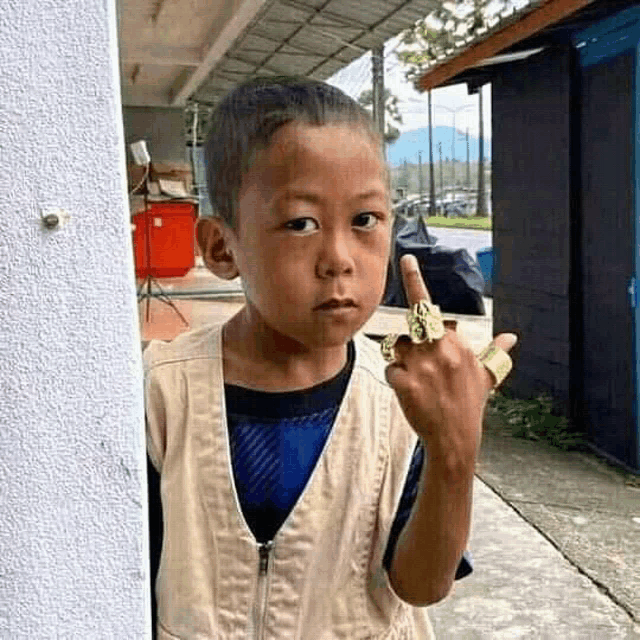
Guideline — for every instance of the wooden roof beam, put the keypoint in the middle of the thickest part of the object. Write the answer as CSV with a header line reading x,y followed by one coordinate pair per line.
x,y
536,20
239,19
161,55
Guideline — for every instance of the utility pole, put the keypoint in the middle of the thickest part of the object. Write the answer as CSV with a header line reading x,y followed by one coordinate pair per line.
x,y
441,174
468,164
406,178
453,154
481,209
377,69
432,189
420,180
453,137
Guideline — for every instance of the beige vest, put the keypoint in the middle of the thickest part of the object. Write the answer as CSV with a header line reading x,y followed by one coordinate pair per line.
x,y
322,578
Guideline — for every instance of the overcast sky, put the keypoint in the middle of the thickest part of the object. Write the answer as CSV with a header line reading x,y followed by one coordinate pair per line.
x,y
413,105
356,77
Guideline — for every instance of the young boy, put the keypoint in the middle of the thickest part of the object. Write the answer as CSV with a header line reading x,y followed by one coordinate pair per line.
x,y
291,508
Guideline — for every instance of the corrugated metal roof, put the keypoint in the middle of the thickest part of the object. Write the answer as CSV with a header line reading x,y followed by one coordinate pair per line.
x,y
558,33
174,51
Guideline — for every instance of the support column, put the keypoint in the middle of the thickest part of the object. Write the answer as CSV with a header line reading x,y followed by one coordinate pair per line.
x,y
73,539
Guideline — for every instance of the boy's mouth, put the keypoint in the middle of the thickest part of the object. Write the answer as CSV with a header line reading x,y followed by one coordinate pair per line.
x,y
336,303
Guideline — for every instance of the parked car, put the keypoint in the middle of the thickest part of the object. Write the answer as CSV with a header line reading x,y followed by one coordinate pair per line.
x,y
412,207
455,209
402,207
420,206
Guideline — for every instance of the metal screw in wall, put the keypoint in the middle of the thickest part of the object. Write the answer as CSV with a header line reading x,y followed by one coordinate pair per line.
x,y
51,221
54,218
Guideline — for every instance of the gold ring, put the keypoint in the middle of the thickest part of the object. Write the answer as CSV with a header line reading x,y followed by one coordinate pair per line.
x,y
425,322
498,362
387,346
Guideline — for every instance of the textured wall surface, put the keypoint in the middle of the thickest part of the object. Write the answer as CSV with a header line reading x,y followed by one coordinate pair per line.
x,y
531,175
73,542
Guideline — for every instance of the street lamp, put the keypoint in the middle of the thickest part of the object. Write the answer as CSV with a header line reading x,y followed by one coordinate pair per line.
x,y
453,137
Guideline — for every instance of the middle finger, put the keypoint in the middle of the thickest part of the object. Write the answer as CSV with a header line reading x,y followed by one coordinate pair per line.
x,y
414,284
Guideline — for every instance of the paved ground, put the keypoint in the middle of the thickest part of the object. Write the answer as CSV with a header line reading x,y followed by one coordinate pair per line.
x,y
556,544
470,239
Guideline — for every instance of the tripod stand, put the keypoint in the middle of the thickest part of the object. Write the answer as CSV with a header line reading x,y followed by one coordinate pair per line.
x,y
145,292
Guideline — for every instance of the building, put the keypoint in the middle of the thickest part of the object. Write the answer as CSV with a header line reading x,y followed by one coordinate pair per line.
x,y
565,120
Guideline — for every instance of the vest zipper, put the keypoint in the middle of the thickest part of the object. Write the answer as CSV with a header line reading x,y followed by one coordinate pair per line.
x,y
260,606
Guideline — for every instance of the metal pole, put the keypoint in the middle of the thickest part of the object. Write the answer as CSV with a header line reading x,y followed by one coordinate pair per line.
x,y
377,69
420,181
441,176
468,163
481,209
432,189
453,154
194,156
453,140
406,178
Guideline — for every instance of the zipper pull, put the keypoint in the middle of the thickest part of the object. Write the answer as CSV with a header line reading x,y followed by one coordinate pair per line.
x,y
632,293
264,549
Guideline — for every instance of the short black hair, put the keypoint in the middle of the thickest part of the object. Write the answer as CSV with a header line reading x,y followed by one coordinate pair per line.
x,y
248,117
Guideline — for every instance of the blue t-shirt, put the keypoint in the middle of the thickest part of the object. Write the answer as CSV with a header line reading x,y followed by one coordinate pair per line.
x,y
276,440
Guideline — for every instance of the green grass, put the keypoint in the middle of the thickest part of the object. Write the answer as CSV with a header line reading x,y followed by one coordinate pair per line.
x,y
460,223
535,419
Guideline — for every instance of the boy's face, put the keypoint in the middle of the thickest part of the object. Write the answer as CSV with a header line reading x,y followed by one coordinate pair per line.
x,y
313,225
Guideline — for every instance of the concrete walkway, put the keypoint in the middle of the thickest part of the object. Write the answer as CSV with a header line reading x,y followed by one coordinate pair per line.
x,y
556,545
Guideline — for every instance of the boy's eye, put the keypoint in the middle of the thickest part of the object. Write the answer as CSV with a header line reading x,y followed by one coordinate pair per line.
x,y
366,220
302,225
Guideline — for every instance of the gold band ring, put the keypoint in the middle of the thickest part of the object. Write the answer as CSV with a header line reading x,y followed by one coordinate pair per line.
x,y
387,346
498,362
425,322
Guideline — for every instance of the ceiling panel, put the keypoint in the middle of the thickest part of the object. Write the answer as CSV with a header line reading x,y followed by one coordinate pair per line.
x,y
186,50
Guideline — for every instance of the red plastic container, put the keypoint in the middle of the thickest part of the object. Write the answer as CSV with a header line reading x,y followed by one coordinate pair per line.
x,y
166,230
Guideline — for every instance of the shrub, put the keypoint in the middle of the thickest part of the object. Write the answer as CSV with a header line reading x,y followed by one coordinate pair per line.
x,y
536,419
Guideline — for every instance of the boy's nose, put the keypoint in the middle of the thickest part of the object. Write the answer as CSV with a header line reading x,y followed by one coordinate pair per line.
x,y
335,258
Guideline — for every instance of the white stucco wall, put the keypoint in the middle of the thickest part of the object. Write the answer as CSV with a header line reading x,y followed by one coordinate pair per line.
x,y
73,544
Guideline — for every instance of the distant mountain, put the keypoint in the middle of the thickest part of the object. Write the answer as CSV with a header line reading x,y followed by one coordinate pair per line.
x,y
406,147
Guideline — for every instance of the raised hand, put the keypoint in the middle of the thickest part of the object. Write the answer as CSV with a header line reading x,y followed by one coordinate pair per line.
x,y
441,385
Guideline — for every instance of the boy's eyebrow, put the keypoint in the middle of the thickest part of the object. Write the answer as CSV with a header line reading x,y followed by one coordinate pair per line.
x,y
313,198
372,193
306,196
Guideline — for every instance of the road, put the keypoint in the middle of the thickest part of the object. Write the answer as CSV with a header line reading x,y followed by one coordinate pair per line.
x,y
470,239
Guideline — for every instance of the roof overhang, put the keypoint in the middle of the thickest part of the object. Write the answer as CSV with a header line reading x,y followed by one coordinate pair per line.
x,y
542,24
509,57
526,23
173,52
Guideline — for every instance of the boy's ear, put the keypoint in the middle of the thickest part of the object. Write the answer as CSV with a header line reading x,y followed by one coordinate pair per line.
x,y
213,243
